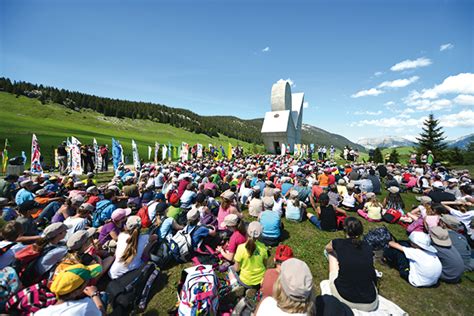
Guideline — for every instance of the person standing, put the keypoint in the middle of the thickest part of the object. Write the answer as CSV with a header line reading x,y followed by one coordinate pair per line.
x,y
62,158
104,152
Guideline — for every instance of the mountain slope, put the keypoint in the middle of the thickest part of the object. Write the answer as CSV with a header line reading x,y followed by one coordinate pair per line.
x,y
385,142
461,142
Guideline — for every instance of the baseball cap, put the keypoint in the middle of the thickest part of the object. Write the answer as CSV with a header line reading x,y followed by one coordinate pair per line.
x,y
133,222
254,229
87,206
296,279
350,186
451,221
193,214
370,195
73,277
293,194
79,238
231,220
440,237
78,184
53,230
91,189
394,189
228,195
268,202
120,214
424,199
77,199
283,252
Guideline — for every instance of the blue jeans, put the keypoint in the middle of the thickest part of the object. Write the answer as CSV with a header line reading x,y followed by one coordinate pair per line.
x,y
315,221
49,211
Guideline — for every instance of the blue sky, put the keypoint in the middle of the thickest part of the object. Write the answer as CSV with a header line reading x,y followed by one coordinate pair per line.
x,y
368,68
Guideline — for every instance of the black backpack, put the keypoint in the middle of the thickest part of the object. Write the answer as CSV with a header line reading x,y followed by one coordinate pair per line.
x,y
130,293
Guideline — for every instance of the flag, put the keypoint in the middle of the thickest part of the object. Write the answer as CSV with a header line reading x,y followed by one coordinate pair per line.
x,y
157,149
117,153
136,158
68,150
76,167
5,156
97,155
36,167
23,155
283,149
229,152
184,151
169,151
56,158
164,151
199,150
149,153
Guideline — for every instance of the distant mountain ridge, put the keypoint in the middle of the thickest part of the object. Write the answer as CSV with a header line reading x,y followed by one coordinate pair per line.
x,y
384,142
461,142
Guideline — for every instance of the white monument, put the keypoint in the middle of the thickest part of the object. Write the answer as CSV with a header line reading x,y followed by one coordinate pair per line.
x,y
283,124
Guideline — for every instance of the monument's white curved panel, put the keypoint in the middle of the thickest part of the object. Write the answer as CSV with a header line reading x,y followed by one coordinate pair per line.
x,y
281,96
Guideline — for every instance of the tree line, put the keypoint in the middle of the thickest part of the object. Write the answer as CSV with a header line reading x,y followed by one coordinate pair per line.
x,y
181,118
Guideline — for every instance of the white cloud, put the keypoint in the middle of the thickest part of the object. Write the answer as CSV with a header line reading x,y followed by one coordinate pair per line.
x,y
378,73
399,83
291,82
305,105
446,47
464,99
363,93
405,113
428,105
462,119
266,49
368,113
389,103
462,83
410,137
390,122
411,64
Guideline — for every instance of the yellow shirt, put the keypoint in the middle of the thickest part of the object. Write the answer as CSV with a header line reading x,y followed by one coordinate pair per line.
x,y
252,268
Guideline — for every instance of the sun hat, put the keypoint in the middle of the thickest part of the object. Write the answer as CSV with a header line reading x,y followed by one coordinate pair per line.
x,y
296,279
120,214
73,277
293,194
231,220
53,230
193,214
25,183
228,195
370,195
77,199
79,238
268,202
440,237
393,189
350,185
254,229
422,240
78,184
91,189
283,252
133,222
87,206
451,221
424,199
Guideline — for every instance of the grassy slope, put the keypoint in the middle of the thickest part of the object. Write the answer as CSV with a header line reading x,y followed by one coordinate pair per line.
x,y
52,123
308,244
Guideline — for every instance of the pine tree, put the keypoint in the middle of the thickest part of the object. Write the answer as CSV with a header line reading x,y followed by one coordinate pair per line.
x,y
394,156
378,158
431,137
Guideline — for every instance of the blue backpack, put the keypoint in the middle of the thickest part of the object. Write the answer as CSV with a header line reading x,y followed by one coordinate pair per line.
x,y
99,217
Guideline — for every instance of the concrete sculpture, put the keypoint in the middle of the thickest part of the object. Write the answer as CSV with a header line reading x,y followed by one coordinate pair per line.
x,y
283,124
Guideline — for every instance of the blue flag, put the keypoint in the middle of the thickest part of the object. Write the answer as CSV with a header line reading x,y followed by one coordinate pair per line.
x,y
116,153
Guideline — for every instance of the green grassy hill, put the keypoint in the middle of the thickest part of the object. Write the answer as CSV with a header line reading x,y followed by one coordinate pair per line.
x,y
52,123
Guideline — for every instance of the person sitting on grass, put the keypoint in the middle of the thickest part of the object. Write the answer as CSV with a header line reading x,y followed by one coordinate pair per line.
x,y
416,261
250,258
109,233
451,260
282,253
238,237
271,223
352,274
294,207
372,210
292,293
394,200
327,215
351,200
462,213
255,203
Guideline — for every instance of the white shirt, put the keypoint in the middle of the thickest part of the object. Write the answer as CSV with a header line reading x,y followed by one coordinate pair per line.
x,y
464,218
119,268
82,307
269,307
74,224
425,267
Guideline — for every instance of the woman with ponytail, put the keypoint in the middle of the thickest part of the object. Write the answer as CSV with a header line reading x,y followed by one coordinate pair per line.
x,y
251,257
352,275
131,248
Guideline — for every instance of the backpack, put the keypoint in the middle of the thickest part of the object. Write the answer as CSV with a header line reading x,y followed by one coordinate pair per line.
x,y
340,218
181,244
391,216
31,299
143,214
199,293
25,264
131,292
97,219
378,238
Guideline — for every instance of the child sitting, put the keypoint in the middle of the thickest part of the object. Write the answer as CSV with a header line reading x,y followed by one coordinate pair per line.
x,y
372,210
327,215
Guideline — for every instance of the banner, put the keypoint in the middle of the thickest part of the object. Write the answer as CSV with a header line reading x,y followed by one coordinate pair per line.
x,y
136,158
169,151
117,153
184,151
5,156
229,152
23,155
283,149
97,156
164,152
68,150
56,158
157,149
76,167
35,156
199,151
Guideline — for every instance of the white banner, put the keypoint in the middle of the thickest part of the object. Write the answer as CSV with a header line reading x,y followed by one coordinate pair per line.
x,y
164,152
136,158
75,152
36,167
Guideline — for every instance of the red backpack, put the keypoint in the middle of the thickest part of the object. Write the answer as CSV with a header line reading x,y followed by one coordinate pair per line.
x,y
392,216
143,214
25,264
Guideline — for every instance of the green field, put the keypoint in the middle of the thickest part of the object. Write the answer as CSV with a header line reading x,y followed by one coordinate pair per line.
x,y
308,244
52,123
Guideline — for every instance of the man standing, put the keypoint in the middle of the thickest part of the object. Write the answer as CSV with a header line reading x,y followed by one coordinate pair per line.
x,y
62,158
104,152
